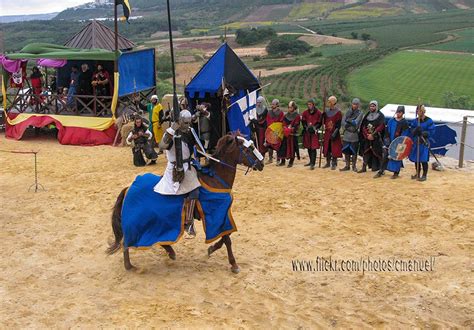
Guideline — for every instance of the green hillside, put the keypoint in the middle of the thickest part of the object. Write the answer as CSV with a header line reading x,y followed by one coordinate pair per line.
x,y
407,76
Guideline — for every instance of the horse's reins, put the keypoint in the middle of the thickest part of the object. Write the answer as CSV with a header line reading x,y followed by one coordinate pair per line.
x,y
251,161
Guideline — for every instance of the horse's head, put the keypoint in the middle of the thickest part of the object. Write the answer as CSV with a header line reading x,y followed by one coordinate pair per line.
x,y
235,149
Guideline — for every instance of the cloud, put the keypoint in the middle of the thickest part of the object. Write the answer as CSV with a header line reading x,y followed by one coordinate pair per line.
x,y
28,7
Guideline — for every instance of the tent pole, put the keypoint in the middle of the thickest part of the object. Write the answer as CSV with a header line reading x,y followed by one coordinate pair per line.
x,y
116,38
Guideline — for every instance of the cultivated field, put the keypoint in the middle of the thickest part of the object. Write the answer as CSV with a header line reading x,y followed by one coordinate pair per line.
x,y
407,76
464,43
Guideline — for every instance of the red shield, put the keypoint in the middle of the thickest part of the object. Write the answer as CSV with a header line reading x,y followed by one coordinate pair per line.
x,y
400,148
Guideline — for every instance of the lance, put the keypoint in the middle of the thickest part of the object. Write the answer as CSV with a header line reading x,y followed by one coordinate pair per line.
x,y
321,141
176,110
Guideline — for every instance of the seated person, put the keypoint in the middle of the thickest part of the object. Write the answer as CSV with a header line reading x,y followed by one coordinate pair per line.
x,y
140,138
101,82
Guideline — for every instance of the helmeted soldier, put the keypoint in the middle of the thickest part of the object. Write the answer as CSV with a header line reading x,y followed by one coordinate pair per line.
x,y
332,147
350,141
373,132
180,177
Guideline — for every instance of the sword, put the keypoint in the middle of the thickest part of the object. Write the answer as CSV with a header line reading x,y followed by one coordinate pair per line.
x,y
198,141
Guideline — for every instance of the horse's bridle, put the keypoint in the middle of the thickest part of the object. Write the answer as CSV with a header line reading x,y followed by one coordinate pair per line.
x,y
249,146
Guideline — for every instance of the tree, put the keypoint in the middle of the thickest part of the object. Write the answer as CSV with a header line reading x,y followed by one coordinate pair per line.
x,y
354,35
281,46
254,36
457,102
365,36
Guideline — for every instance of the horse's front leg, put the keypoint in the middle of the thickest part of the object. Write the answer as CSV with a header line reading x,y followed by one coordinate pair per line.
x,y
170,251
215,247
126,260
228,243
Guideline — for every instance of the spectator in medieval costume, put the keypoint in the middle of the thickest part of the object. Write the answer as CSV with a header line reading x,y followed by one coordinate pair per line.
x,y
155,111
73,85
289,144
84,86
311,120
275,115
101,82
85,80
258,124
373,129
350,140
36,79
422,129
101,85
140,137
202,118
332,147
397,126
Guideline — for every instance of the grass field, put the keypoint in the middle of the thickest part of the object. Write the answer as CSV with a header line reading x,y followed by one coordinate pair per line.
x,y
465,43
308,9
365,11
406,76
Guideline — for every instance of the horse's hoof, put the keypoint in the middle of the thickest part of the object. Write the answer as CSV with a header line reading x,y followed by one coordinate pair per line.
x,y
209,251
235,270
172,256
130,267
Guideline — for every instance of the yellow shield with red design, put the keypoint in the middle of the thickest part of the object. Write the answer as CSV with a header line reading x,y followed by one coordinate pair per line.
x,y
274,133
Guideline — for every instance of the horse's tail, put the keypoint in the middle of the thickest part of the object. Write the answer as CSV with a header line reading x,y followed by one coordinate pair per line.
x,y
117,223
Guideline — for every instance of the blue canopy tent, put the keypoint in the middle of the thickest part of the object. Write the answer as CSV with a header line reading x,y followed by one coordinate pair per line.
x,y
224,70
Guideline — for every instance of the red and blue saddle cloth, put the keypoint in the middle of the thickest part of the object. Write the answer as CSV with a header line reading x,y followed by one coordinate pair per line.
x,y
149,218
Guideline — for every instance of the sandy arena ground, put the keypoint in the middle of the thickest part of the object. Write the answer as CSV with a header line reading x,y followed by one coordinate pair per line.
x,y
55,273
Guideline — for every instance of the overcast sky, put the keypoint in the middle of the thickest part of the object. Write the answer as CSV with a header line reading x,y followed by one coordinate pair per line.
x,y
27,7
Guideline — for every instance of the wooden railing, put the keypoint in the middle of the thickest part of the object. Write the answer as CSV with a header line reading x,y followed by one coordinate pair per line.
x,y
80,105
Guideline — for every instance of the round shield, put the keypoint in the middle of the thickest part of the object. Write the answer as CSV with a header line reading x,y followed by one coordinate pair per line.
x,y
400,148
274,133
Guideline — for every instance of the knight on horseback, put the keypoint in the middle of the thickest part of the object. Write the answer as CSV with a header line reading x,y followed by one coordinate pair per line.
x,y
185,182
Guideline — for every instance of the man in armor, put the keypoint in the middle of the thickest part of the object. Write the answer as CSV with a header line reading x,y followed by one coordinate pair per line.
x,y
397,126
180,178
351,121
332,147
311,121
373,129
422,129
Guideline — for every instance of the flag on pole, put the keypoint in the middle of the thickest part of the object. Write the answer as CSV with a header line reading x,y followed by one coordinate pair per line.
x,y
253,105
242,102
247,105
126,8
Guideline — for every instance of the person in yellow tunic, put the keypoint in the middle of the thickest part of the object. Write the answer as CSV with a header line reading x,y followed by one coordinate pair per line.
x,y
154,112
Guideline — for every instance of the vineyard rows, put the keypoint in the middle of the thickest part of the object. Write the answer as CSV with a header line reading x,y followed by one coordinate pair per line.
x,y
330,78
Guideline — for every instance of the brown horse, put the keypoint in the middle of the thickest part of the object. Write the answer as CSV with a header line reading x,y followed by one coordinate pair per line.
x,y
231,150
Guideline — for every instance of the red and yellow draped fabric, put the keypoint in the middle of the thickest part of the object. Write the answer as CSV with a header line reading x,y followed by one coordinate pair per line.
x,y
76,130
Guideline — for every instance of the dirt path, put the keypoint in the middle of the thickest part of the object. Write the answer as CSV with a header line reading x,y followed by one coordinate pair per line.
x,y
276,71
55,273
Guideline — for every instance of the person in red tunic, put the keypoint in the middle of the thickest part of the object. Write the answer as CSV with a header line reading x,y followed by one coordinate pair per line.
x,y
289,145
275,115
36,79
332,148
311,120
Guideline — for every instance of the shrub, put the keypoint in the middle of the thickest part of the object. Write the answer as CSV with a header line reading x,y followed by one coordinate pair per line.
x,y
254,36
284,46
